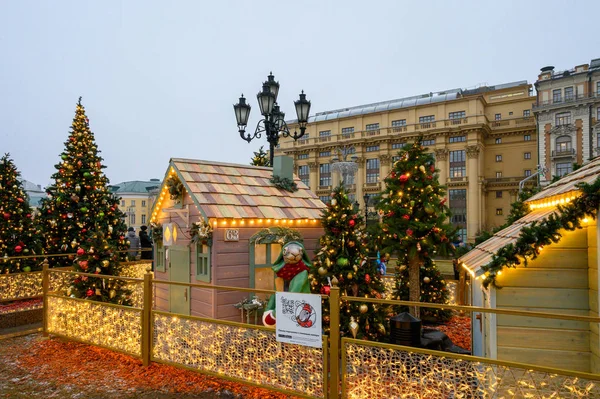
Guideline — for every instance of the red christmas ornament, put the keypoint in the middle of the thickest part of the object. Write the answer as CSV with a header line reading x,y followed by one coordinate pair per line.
x,y
29,215
409,232
403,178
80,251
442,202
89,292
83,264
18,249
406,217
351,222
83,230
393,175
20,200
432,168
6,215
367,278
325,290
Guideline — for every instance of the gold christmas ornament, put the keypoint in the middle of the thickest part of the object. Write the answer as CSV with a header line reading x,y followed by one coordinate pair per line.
x,y
353,327
322,271
363,308
112,294
381,329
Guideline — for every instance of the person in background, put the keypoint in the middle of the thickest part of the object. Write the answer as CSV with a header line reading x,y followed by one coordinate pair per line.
x,y
134,244
145,243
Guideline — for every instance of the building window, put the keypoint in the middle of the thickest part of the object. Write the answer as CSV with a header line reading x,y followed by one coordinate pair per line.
x,y
122,202
527,155
598,113
399,123
372,148
397,146
324,175
325,198
372,128
458,207
160,256
563,168
262,257
131,218
132,202
498,141
302,156
497,117
498,211
526,137
427,119
203,262
304,174
325,133
325,153
143,219
457,115
498,158
304,138
563,144
143,203
373,170
556,95
457,139
395,158
499,194
569,93
526,113
458,166
598,88
427,143
349,178
347,132
564,118
527,172
498,175
510,113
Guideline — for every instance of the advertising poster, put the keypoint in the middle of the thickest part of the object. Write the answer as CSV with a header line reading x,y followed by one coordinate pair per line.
x,y
299,319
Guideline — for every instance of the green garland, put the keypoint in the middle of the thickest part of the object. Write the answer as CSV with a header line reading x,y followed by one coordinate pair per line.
x,y
156,231
284,183
175,187
276,234
545,232
201,231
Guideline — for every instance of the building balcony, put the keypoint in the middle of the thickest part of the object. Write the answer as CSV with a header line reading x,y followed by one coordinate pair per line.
x,y
457,181
514,122
456,121
561,101
568,153
372,186
507,181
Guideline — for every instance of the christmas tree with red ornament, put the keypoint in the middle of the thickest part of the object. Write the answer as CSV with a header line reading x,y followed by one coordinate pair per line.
x,y
79,202
96,256
415,227
343,256
19,235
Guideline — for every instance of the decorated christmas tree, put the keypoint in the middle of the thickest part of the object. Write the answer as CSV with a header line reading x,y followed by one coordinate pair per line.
x,y
260,158
95,255
415,226
18,233
79,201
343,256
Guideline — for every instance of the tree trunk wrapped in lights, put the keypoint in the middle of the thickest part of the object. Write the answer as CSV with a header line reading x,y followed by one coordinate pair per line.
x,y
415,227
343,256
19,235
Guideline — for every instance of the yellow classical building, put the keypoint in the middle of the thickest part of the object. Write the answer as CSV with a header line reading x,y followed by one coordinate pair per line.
x,y
483,139
136,200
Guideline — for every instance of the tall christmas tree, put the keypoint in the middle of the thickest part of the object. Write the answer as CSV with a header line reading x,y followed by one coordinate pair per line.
x,y
343,256
79,201
95,255
260,158
415,225
18,233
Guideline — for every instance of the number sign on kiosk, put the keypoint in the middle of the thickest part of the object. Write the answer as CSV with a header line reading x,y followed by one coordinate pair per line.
x,y
299,319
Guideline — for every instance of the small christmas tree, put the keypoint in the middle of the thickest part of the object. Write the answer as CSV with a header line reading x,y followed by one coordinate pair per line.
x,y
95,255
18,233
260,158
79,201
343,256
415,224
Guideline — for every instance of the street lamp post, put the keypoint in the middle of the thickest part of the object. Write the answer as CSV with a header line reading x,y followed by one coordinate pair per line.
x,y
273,122
366,199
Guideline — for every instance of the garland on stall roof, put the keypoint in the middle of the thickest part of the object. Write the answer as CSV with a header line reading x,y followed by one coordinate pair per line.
x,y
284,183
175,187
277,234
201,231
532,238
156,231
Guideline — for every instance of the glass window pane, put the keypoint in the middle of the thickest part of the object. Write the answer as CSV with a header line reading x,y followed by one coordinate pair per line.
x,y
260,254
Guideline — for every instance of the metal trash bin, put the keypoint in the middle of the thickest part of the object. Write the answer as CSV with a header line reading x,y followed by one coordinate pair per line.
x,y
405,329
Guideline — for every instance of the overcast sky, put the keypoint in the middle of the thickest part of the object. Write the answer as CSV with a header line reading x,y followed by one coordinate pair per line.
x,y
158,78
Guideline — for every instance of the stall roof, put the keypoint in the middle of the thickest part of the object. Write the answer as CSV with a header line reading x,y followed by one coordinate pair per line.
x,y
483,253
224,190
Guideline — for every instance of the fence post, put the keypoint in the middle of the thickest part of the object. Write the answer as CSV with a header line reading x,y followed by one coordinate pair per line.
x,y
147,318
45,288
461,287
334,340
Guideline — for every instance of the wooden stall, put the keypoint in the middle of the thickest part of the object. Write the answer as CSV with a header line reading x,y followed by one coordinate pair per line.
x,y
209,212
563,279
